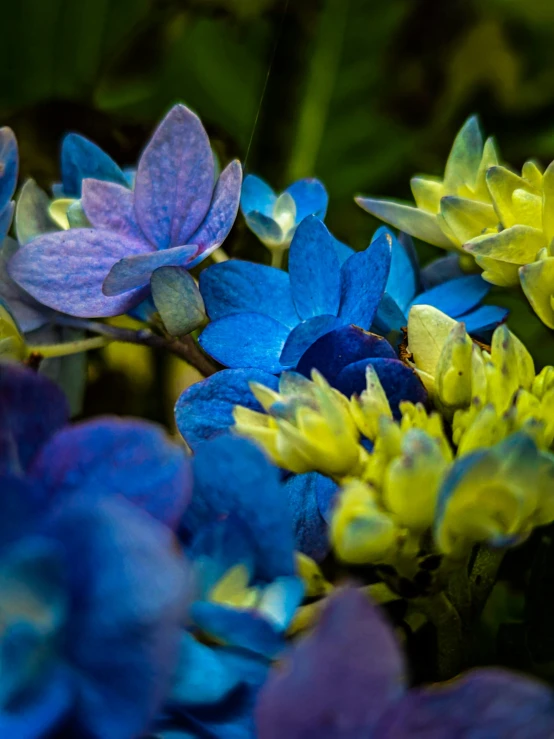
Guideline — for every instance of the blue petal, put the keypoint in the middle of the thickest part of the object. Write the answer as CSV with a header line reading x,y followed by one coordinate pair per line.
x,y
111,206
265,228
339,348
310,197
342,250
389,318
327,493
216,547
232,476
20,508
484,319
130,458
128,596
205,409
201,677
66,270
257,196
244,629
32,409
310,530
41,715
175,179
399,381
241,287
6,217
441,270
402,281
314,270
82,159
455,297
221,214
304,335
28,312
246,340
134,272
363,279
9,166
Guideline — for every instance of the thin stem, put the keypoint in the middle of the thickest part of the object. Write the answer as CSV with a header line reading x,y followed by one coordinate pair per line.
x,y
483,577
277,253
184,348
450,639
220,255
47,351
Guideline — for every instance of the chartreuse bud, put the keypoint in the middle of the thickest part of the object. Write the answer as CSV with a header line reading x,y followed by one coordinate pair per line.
x,y
428,332
233,589
450,211
453,371
370,406
309,427
12,343
412,481
496,496
361,532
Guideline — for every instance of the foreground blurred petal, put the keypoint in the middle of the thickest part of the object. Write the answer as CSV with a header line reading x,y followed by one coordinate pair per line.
x,y
310,530
338,681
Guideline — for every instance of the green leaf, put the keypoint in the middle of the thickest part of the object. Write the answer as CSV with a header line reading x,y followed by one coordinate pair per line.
x,y
178,300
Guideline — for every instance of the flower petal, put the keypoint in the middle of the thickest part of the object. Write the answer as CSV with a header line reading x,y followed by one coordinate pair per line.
x,y
441,270
28,312
455,297
246,340
81,159
205,409
24,430
178,300
175,179
265,228
133,272
130,458
128,595
463,161
6,217
65,271
334,351
399,381
310,530
517,245
244,629
233,476
257,196
486,702
9,161
31,214
221,214
304,335
235,286
407,218
111,206
537,281
363,279
314,270
483,319
310,198
339,680
402,282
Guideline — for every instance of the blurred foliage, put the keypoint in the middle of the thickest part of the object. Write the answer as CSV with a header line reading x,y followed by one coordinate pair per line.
x,y
360,94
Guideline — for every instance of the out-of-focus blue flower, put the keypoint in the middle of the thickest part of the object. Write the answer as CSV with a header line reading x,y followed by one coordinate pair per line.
x,y
9,167
175,216
239,541
92,593
266,319
348,679
441,284
274,218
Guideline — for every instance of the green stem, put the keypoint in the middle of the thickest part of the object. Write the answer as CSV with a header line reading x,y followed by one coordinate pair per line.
x,y
483,577
320,82
450,638
47,351
277,253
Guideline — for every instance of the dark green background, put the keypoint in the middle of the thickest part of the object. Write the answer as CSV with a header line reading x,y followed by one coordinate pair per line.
x,y
361,93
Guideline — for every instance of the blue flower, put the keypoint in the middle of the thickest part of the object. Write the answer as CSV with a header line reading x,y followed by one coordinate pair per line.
x,y
9,165
265,318
92,594
348,679
176,216
274,218
441,284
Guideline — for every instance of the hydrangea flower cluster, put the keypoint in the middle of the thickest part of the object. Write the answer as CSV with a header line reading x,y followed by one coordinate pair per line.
x,y
320,553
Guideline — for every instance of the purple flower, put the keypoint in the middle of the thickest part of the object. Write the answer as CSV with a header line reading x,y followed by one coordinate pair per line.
x,y
347,680
176,216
